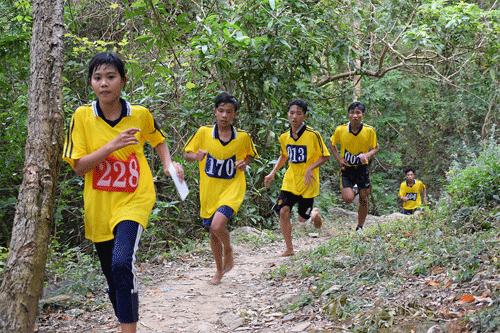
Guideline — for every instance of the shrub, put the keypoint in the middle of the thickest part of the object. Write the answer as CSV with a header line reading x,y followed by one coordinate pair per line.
x,y
475,183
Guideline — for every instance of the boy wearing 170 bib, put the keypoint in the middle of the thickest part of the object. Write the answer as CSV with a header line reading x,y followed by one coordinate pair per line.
x,y
223,153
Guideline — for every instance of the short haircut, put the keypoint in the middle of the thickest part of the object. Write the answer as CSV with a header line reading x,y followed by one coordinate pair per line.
x,y
225,98
409,169
301,104
356,105
107,58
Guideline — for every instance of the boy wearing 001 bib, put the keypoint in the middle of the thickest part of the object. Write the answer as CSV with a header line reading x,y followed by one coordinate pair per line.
x,y
305,152
223,153
409,193
358,144
105,143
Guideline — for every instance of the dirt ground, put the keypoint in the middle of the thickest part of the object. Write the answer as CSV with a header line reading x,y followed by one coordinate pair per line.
x,y
175,296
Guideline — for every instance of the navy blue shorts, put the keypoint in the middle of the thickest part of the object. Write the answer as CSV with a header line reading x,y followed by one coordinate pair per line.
x,y
289,199
224,210
117,257
356,175
410,211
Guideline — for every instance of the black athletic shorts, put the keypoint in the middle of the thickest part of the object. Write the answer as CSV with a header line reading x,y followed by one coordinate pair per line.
x,y
289,199
358,174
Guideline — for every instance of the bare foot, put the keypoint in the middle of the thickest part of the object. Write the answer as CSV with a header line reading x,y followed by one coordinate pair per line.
x,y
216,279
228,260
286,253
316,218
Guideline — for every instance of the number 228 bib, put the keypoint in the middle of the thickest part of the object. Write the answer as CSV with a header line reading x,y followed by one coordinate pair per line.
x,y
114,175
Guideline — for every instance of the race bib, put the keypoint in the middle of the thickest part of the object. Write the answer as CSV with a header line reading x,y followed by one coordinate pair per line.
x,y
296,154
411,196
114,175
223,169
352,159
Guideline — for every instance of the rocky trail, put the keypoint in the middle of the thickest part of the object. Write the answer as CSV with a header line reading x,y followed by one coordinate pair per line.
x,y
175,296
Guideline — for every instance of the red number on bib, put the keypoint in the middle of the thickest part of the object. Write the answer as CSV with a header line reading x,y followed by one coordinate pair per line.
x,y
114,175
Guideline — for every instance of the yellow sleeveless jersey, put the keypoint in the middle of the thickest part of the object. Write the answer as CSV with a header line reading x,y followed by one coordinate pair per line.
x,y
221,183
351,145
301,153
121,187
412,193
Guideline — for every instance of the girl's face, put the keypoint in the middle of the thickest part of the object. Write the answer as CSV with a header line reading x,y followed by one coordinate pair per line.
x,y
107,83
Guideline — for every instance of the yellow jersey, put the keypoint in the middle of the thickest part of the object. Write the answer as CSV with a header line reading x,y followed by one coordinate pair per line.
x,y
352,145
301,153
221,183
120,187
412,193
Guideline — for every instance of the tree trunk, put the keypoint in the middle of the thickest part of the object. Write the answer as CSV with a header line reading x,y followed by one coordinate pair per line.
x,y
22,281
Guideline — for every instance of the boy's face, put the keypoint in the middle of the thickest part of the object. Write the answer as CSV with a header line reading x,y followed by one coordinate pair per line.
x,y
225,114
107,83
296,116
356,116
410,176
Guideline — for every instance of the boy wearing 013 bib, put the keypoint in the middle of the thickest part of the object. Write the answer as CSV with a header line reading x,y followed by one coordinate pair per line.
x,y
105,143
409,193
358,144
305,152
223,153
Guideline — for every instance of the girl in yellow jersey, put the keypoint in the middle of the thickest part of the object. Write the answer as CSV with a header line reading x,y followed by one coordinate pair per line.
x,y
223,153
105,144
358,144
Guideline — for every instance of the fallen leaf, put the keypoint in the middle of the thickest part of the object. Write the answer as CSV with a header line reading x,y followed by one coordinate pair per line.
x,y
437,270
156,291
450,298
465,299
447,285
432,283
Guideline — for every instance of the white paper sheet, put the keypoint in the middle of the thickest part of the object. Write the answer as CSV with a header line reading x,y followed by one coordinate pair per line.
x,y
182,188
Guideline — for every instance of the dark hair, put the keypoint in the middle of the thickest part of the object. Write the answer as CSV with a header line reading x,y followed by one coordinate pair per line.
x,y
107,58
356,105
301,104
225,98
409,169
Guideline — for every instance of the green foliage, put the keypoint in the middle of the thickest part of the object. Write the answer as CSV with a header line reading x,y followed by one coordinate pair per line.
x,y
73,271
3,257
475,182
385,256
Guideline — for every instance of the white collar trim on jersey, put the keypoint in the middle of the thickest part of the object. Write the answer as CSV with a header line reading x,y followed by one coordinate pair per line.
x,y
125,104
215,132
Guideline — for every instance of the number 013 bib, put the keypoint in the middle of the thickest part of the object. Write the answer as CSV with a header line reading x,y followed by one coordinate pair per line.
x,y
114,175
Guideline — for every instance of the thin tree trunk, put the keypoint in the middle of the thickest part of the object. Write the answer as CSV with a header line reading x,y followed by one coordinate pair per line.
x,y
22,282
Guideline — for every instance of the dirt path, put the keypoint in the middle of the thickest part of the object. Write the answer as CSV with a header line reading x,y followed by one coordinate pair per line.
x,y
175,296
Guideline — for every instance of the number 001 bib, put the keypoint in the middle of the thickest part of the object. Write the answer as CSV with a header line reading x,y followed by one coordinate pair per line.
x,y
114,175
